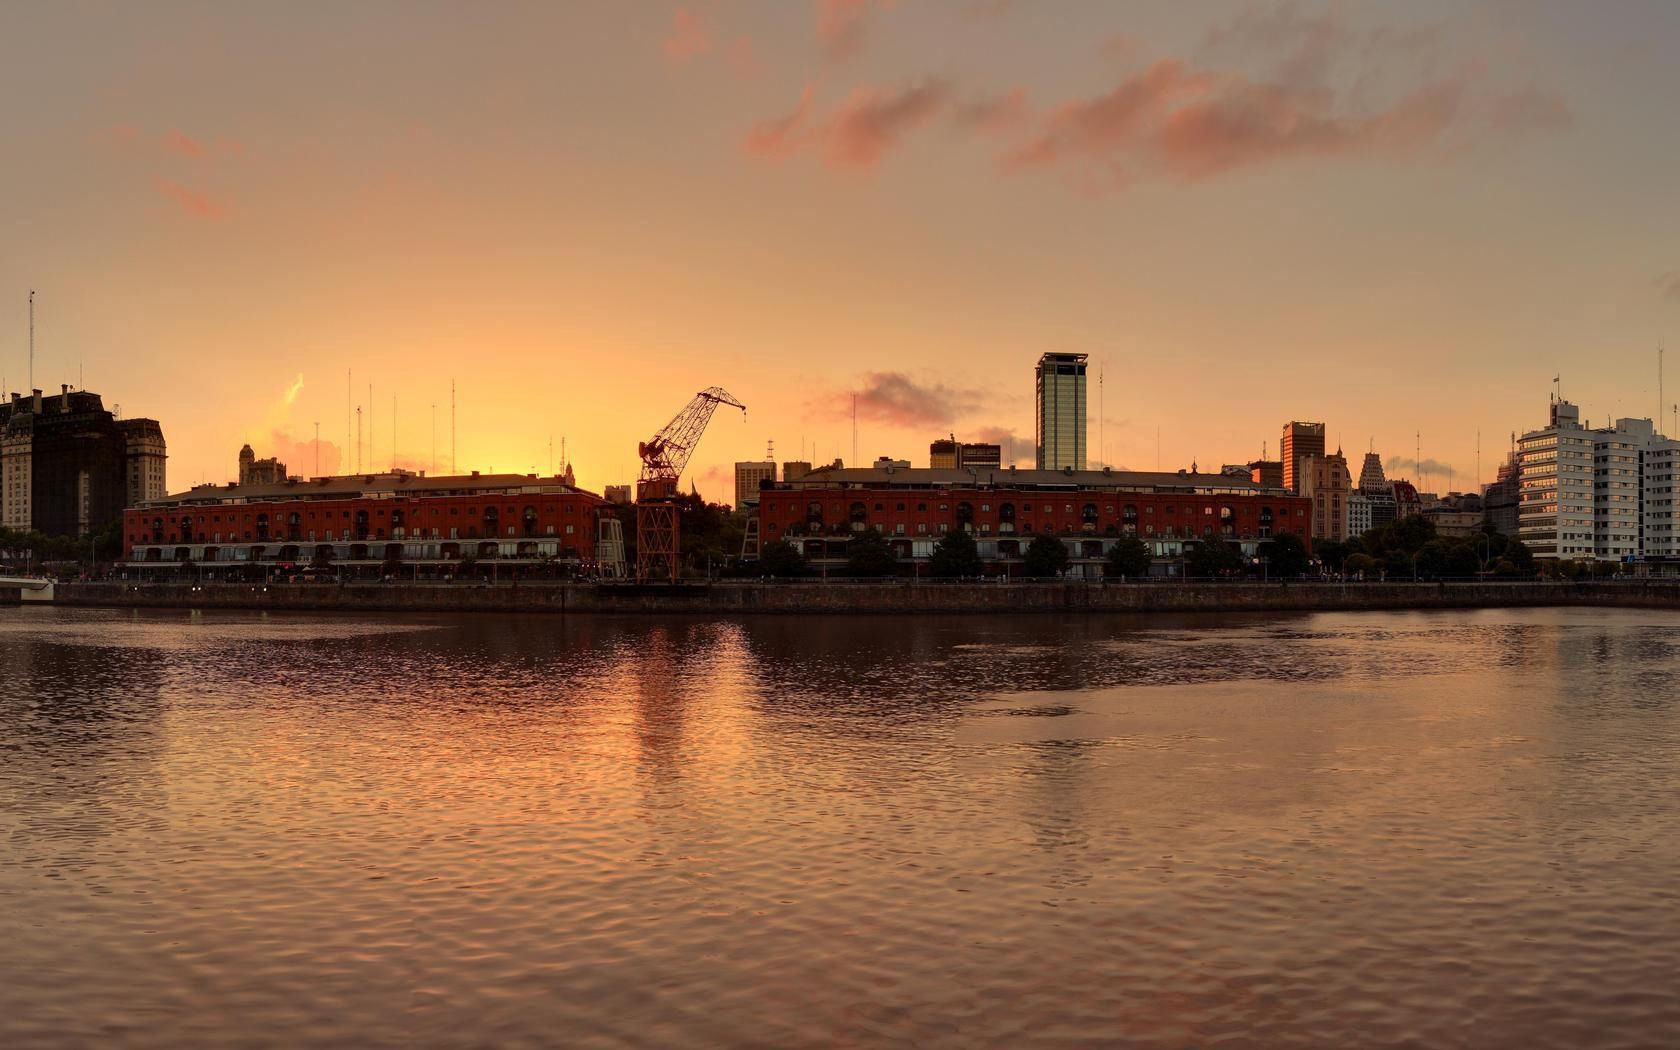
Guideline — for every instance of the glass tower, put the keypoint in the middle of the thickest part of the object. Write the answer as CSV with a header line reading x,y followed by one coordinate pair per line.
x,y
1061,411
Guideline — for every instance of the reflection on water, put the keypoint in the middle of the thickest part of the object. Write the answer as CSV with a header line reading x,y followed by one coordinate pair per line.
x,y
1443,829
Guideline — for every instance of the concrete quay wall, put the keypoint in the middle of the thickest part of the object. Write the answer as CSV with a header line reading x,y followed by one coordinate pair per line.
x,y
784,598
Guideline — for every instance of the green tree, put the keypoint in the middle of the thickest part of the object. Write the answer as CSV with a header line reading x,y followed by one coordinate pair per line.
x,y
781,558
1213,556
869,554
1046,556
955,555
1287,555
1129,557
1331,552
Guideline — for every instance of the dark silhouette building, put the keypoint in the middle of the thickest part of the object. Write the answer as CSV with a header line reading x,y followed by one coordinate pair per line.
x,y
69,467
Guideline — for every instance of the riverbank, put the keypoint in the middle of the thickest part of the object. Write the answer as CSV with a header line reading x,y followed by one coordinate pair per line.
x,y
896,596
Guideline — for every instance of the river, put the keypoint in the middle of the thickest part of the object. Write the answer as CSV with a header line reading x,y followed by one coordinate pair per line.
x,y
1362,829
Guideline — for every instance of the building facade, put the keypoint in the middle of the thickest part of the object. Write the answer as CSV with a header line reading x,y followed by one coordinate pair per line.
x,y
749,476
367,521
254,471
1089,510
1299,440
1500,499
69,467
1594,493
1326,482
1060,405
1358,513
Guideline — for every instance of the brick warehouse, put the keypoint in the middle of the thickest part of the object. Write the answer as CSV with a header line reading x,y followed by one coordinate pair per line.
x,y
1088,509
367,520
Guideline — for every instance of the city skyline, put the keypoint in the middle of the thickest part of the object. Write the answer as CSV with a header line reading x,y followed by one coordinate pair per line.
x,y
1416,232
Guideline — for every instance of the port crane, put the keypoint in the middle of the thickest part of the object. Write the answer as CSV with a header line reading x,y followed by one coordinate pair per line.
x,y
658,556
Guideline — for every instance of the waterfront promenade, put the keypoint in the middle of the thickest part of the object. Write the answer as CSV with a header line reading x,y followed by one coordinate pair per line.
x,y
894,596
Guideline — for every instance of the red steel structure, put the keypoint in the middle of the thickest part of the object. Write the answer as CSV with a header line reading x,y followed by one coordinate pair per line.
x,y
658,555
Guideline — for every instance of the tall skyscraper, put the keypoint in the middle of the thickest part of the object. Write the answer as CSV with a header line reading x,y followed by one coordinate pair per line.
x,y
1299,439
748,475
1061,411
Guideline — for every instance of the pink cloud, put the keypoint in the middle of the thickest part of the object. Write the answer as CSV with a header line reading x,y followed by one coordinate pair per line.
x,y
1000,113
687,37
743,60
192,200
298,453
858,133
896,399
178,141
840,26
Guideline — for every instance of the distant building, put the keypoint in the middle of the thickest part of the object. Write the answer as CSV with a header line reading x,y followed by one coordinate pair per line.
x,y
1060,406
1406,502
1326,481
1453,523
942,454
1358,513
1594,493
980,455
254,471
1500,500
887,462
1267,473
795,468
69,467
749,476
617,494
1235,470
1299,440
1371,478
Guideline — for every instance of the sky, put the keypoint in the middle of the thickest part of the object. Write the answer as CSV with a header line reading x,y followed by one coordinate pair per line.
x,y
1403,220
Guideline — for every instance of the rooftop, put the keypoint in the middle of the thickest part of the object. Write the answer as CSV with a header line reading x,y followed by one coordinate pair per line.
x,y
1007,478
384,485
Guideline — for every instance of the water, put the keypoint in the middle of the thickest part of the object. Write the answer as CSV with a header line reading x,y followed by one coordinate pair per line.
x,y
1440,829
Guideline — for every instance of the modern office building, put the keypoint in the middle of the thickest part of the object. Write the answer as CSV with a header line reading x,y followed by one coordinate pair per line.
x,y
1582,491
1299,440
69,467
1267,473
1060,404
749,475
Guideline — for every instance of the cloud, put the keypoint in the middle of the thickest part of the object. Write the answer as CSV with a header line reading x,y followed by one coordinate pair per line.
x,y
897,400
292,393
177,141
857,134
841,26
687,37
192,200
299,453
998,113
1022,447
743,59
1669,285
1406,464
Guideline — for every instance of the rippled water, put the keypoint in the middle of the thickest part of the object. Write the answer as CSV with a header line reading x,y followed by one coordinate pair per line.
x,y
1441,829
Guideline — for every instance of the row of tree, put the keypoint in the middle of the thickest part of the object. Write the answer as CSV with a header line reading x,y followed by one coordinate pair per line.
x,y
1411,547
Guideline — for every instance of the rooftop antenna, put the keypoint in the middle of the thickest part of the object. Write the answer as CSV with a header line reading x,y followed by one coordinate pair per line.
x,y
371,461
348,397
434,439
317,448
1102,446
393,433
32,340
854,430
551,453
358,439
452,426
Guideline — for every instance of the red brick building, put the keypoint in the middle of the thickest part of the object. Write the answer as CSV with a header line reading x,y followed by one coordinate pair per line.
x,y
368,520
1004,509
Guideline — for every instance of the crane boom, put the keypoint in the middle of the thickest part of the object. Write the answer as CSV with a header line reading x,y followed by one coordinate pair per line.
x,y
663,460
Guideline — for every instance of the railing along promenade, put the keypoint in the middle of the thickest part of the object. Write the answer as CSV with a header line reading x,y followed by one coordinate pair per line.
x,y
875,596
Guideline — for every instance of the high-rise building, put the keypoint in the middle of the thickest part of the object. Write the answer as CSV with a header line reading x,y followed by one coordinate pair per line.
x,y
1061,411
1581,491
1500,500
942,454
68,466
1267,473
1371,477
748,476
980,455
1299,440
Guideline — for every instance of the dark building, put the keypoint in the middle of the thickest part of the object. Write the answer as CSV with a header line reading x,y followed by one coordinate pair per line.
x,y
69,467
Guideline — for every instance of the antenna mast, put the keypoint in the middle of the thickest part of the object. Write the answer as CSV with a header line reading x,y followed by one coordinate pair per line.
x,y
452,426
31,340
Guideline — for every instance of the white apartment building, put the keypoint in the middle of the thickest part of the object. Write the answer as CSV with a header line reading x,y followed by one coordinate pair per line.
x,y
1358,513
1606,494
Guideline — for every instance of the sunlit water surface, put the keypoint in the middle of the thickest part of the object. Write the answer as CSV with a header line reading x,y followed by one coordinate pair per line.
x,y
1443,829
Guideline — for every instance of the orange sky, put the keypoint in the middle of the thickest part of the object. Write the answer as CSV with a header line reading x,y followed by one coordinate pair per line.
x,y
1389,218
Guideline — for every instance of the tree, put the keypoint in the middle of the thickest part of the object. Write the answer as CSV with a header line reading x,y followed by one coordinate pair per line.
x,y
1046,556
1129,557
956,555
781,558
1288,555
869,554
1212,556
1331,552
1360,564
